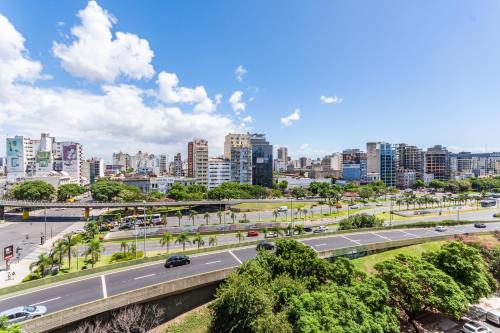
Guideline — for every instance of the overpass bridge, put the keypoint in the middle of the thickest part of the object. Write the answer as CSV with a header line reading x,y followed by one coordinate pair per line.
x,y
78,299
88,205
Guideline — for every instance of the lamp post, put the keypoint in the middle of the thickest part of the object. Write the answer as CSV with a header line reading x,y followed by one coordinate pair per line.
x,y
144,203
291,211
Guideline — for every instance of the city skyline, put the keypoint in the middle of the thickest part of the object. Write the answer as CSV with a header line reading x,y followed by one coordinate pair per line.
x,y
282,76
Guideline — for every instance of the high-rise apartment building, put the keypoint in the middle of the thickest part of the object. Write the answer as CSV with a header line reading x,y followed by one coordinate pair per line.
x,y
93,169
354,165
409,165
219,171
281,163
437,162
283,154
474,164
162,164
29,158
177,168
262,160
381,162
241,165
235,140
122,159
198,161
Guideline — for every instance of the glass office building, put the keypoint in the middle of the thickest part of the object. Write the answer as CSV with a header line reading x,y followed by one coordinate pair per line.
x,y
262,160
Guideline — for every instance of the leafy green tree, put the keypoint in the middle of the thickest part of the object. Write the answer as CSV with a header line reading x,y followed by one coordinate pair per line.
x,y
166,239
283,185
105,190
300,229
42,263
366,193
94,250
91,230
124,247
360,221
239,236
206,216
69,241
5,327
182,238
67,191
419,183
466,266
178,192
198,240
58,250
415,285
299,192
212,240
36,190
155,196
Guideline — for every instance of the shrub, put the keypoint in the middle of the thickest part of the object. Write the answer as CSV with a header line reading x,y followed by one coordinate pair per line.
x,y
31,277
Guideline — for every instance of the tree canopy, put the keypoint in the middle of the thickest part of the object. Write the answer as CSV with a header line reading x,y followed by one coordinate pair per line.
x,y
106,190
67,191
360,221
35,190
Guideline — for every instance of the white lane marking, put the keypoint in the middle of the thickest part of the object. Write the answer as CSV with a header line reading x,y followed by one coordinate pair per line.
x,y
145,276
322,244
104,290
381,236
46,301
352,240
235,257
212,262
409,233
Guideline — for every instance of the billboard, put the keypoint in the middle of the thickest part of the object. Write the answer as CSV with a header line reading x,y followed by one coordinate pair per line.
x,y
70,152
43,159
15,147
8,252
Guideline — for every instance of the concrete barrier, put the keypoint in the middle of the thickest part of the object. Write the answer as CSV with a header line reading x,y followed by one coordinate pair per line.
x,y
62,318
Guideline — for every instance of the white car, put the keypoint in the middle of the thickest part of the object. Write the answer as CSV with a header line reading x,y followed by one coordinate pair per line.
x,y
323,228
271,234
379,204
475,327
354,207
282,209
22,313
440,228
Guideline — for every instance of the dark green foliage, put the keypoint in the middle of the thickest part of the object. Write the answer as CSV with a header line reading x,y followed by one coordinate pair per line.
x,y
360,221
66,191
105,190
466,266
35,190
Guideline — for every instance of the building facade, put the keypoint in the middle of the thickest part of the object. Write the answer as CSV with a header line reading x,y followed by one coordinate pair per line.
x,y
219,172
262,161
354,165
437,163
241,165
235,140
198,161
93,169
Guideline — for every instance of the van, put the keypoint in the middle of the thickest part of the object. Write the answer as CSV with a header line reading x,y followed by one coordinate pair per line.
x,y
493,316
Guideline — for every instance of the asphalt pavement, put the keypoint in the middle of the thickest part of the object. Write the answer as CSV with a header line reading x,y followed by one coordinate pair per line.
x,y
74,292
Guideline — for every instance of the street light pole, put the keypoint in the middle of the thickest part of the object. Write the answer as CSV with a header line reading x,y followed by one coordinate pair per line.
x,y
144,202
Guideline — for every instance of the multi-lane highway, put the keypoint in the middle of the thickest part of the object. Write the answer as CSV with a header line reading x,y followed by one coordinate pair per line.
x,y
75,292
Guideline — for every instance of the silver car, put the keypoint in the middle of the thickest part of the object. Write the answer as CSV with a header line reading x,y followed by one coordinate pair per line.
x,y
22,313
474,327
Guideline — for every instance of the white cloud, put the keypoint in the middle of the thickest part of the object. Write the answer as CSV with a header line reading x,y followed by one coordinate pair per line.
x,y
14,62
116,118
304,146
236,102
240,72
96,55
247,119
288,121
331,100
169,92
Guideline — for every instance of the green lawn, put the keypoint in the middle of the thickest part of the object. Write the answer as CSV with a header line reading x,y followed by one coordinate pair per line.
x,y
196,321
367,263
386,216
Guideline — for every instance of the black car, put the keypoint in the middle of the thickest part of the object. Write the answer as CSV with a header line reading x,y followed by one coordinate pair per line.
x,y
265,246
308,229
479,225
177,260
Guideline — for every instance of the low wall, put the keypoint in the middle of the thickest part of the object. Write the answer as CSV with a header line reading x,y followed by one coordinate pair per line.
x,y
53,321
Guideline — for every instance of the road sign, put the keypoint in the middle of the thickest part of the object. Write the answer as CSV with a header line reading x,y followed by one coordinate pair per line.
x,y
8,252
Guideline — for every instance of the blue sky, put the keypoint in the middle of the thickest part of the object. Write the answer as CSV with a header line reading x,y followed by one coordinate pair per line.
x,y
421,72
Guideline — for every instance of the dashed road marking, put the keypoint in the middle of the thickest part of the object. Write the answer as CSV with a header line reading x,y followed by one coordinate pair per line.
x,y
104,290
322,244
212,262
352,240
47,301
379,235
144,276
408,233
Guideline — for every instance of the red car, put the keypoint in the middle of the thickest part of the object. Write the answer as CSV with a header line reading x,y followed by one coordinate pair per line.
x,y
252,233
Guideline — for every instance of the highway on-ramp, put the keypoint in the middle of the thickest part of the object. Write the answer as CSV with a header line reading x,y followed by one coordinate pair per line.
x,y
79,291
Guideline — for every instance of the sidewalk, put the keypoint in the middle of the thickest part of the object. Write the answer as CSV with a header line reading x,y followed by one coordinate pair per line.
x,y
22,268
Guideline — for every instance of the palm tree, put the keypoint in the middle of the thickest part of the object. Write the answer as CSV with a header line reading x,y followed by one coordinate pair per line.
x,y
182,238
166,239
212,240
239,236
58,250
164,219
299,212
124,247
304,210
275,214
70,240
233,216
300,229
219,214
94,250
179,216
206,216
198,239
43,262
192,215
245,217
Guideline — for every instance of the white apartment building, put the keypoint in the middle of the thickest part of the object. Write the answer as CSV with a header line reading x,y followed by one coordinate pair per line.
x,y
28,158
163,184
198,161
93,169
235,141
219,171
